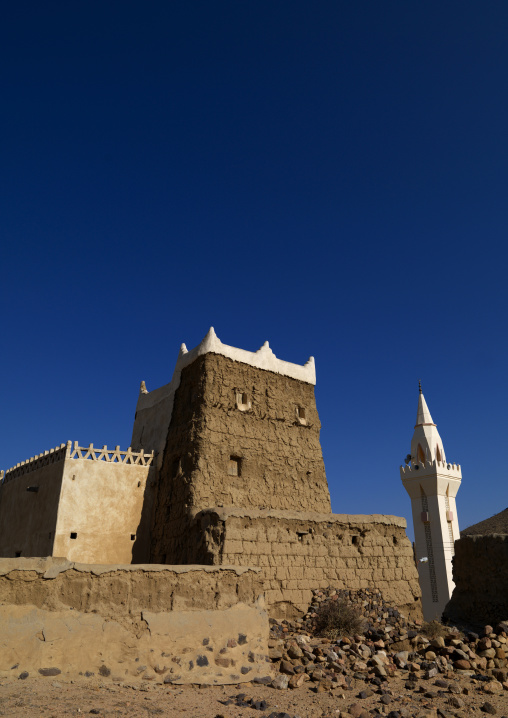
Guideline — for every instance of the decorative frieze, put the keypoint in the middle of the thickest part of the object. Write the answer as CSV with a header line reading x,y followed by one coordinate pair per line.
x,y
72,450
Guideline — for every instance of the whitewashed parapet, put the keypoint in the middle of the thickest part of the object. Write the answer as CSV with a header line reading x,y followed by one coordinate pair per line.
x,y
35,462
72,450
263,358
113,456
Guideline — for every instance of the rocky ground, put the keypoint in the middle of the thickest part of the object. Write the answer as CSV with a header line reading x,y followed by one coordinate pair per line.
x,y
391,667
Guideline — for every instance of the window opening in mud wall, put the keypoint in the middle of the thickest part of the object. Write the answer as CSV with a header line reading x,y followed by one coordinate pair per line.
x,y
242,401
235,466
301,415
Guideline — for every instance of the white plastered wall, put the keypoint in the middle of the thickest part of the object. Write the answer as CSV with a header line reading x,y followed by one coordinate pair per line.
x,y
102,503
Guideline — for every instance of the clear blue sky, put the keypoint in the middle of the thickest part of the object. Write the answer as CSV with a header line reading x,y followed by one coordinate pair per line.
x,y
330,177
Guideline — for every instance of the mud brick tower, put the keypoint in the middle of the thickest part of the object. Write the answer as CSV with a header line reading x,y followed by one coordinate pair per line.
x,y
240,481
243,431
432,483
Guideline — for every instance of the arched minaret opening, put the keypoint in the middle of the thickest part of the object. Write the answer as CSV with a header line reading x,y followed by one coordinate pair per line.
x,y
420,455
438,453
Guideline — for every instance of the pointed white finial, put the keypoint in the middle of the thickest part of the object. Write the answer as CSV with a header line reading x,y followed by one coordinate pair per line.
x,y
183,349
211,342
423,416
143,388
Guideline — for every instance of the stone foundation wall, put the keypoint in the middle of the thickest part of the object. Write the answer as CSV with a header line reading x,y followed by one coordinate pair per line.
x,y
298,552
183,624
480,573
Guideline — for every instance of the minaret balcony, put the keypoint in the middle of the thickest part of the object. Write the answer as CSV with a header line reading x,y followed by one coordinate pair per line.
x,y
431,468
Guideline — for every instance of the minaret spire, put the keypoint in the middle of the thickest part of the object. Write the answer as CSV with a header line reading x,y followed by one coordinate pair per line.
x,y
432,483
423,417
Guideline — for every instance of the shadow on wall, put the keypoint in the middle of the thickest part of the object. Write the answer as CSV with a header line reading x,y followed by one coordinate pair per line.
x,y
480,573
141,545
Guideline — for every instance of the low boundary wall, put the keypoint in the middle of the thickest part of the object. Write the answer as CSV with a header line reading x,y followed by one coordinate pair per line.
x,y
480,573
298,552
171,624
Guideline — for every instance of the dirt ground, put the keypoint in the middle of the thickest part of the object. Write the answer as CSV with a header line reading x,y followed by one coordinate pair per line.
x,y
51,698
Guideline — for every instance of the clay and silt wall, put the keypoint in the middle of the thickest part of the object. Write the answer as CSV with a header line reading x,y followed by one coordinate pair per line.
x,y
480,573
183,624
263,454
29,497
104,512
70,502
300,551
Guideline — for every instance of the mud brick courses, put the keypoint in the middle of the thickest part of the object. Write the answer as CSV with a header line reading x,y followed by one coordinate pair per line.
x,y
297,551
480,572
279,459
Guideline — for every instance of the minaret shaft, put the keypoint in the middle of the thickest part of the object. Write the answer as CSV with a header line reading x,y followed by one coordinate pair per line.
x,y
432,484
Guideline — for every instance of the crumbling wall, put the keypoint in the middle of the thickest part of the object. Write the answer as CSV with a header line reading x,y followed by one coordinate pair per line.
x,y
183,624
480,573
239,436
299,552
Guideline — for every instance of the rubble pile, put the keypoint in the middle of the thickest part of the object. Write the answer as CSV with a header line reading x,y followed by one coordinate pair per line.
x,y
434,660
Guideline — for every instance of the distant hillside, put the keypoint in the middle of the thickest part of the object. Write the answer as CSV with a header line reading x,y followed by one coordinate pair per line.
x,y
497,524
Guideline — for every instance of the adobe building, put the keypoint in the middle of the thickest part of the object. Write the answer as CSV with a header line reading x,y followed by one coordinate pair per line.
x,y
89,505
432,483
234,477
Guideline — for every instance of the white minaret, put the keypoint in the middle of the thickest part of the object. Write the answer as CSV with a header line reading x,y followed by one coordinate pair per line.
x,y
432,483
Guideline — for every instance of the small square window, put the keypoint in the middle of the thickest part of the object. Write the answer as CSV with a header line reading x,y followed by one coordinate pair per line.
x,y
235,466
133,537
18,554
242,401
74,535
301,415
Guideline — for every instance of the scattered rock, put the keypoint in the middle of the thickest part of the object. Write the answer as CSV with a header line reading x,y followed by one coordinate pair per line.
x,y
366,693
488,708
455,702
280,682
356,710
49,671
